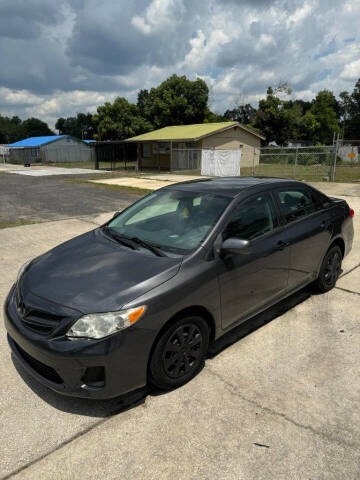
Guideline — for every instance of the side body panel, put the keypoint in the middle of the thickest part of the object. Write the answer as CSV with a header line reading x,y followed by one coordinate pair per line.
x,y
309,239
247,282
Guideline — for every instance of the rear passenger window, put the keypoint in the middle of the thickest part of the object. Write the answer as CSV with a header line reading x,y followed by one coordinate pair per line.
x,y
296,204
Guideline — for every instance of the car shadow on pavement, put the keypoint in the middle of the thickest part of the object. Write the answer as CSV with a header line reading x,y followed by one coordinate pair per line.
x,y
108,408
260,320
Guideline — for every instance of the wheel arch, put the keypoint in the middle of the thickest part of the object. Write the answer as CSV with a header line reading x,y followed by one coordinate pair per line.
x,y
335,241
341,244
199,310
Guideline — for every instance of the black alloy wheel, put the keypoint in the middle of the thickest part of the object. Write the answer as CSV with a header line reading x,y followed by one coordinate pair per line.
x,y
182,350
330,270
179,353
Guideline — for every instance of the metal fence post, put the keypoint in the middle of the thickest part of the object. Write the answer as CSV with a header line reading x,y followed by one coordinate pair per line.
x,y
253,163
333,176
96,161
296,161
171,156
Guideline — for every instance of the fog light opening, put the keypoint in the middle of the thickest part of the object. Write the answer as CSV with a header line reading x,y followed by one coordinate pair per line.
x,y
94,377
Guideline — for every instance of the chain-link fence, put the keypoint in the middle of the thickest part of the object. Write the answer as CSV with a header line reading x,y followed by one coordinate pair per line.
x,y
347,165
302,163
338,162
324,163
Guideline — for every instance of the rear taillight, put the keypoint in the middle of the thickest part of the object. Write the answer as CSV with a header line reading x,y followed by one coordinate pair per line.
x,y
351,212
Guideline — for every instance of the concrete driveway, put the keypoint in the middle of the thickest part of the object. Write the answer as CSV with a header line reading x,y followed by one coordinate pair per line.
x,y
281,403
149,182
44,170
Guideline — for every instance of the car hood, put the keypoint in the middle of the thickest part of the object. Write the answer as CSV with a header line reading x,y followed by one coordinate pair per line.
x,y
94,273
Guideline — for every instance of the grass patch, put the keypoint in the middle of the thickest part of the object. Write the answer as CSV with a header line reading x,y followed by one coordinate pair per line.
x,y
309,173
349,174
17,223
123,189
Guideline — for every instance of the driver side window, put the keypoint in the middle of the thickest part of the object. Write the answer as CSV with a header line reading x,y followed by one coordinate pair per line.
x,y
252,218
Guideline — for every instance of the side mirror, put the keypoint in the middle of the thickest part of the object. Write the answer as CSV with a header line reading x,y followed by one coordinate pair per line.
x,y
116,214
236,246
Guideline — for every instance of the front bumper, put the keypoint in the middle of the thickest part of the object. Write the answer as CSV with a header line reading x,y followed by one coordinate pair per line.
x,y
63,364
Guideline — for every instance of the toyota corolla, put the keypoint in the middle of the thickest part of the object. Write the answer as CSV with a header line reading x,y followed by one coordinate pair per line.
x,y
139,299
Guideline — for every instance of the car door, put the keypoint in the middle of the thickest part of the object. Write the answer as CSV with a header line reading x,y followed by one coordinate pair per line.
x,y
250,281
309,230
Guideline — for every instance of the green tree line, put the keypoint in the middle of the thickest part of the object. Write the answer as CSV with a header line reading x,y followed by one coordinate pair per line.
x,y
14,129
180,101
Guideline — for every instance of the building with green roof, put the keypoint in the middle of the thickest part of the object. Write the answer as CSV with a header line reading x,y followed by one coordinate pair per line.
x,y
180,147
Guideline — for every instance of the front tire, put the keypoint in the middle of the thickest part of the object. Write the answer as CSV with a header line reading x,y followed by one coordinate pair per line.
x,y
179,353
330,270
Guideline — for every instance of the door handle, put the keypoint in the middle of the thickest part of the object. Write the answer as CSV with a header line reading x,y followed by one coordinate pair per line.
x,y
282,245
324,224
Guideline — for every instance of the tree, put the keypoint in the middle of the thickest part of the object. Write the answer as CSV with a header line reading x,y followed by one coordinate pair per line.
x,y
244,114
142,98
10,130
176,101
36,128
213,117
345,106
350,111
119,120
324,109
281,119
81,126
272,118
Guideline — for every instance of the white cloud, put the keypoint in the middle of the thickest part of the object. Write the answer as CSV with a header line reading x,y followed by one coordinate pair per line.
x,y
90,52
300,14
265,40
351,71
158,15
204,49
19,97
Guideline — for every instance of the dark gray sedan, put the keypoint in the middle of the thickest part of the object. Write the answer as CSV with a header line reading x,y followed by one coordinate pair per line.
x,y
140,299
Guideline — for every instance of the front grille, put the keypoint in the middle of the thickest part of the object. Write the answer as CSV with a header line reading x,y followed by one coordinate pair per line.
x,y
38,321
44,370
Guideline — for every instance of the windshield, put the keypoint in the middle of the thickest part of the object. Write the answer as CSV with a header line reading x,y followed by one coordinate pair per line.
x,y
173,220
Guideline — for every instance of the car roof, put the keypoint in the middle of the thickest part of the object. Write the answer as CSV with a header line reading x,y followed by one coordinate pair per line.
x,y
228,186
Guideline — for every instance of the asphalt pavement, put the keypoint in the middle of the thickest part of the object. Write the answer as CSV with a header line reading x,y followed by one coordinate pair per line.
x,y
34,199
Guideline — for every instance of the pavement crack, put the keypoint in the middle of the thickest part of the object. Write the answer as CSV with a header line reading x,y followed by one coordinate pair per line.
x,y
58,447
347,291
349,271
232,389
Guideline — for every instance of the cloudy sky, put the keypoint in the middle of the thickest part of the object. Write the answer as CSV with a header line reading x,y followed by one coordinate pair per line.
x,y
65,56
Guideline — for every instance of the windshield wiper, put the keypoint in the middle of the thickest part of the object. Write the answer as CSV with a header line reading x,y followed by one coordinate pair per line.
x,y
120,238
149,246
129,242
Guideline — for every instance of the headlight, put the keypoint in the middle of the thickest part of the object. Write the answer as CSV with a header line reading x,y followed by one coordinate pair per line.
x,y
22,269
99,325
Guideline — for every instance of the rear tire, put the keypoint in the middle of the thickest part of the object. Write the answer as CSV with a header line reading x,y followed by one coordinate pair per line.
x,y
179,353
330,270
